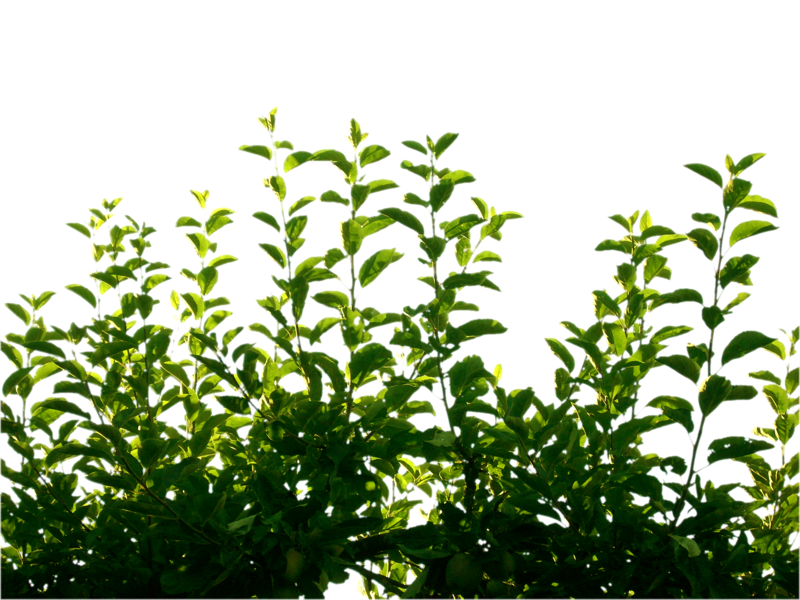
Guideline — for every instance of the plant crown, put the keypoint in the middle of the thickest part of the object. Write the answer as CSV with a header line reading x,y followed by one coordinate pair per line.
x,y
315,482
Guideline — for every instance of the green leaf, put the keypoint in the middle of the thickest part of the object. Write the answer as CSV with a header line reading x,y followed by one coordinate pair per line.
x,y
458,177
749,229
268,219
207,279
654,230
691,546
478,327
712,316
415,146
372,154
200,243
683,365
708,219
217,220
705,240
64,406
277,185
201,197
366,360
654,267
646,222
304,201
195,304
777,348
748,161
680,295
743,344
465,279
82,229
707,172
622,221
461,225
177,371
742,392
668,240
20,312
668,332
295,160
46,347
735,447
443,143
352,236
332,299
43,298
778,398
423,171
331,196
463,251
235,404
218,262
465,372
14,355
735,191
737,269
713,392
188,222
487,256
295,227
440,193
376,264
759,204
321,327
258,150
13,380
481,205
110,349
561,352
616,338
375,224
276,254
602,299
404,218
433,246
113,481
671,402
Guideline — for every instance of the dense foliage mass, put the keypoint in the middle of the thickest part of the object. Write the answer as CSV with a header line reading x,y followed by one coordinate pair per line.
x,y
314,482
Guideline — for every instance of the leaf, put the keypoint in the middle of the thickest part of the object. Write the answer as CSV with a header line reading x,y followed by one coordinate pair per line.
x,y
195,303
742,392
46,347
735,191
20,312
465,279
671,402
376,223
777,348
478,327
487,256
707,218
461,225
13,380
110,349
681,364
616,338
443,143
188,222
748,161
458,177
713,392
440,193
561,352
654,267
707,172
654,230
737,269
423,171
304,201
268,219
778,398
645,222
735,447
414,199
352,236
680,295
217,262
321,327
332,299
235,404
82,229
759,204
372,154
749,229
463,251
705,240
201,197
376,264
668,332
366,360
258,150
466,371
691,546
276,254
277,185
602,299
207,279
743,344
415,146
176,370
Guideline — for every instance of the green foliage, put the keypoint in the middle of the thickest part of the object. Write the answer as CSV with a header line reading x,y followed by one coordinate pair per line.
x,y
315,479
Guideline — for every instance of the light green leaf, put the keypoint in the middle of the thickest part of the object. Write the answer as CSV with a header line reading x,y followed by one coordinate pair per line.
x,y
749,229
276,254
258,150
376,264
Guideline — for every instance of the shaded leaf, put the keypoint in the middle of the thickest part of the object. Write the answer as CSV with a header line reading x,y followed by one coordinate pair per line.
x,y
743,344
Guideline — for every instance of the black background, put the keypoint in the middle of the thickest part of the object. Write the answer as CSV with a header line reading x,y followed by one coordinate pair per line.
x,y
564,186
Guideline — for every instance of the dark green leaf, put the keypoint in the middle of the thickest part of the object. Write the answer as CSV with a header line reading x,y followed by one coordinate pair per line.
x,y
466,371
104,351
376,264
671,402
404,218
235,404
759,204
13,380
705,240
46,347
737,269
20,312
332,299
368,359
735,447
778,398
668,332
712,316
372,154
268,219
375,224
433,247
735,191
443,143
654,267
465,279
414,199
561,352
440,193
680,295
747,161
276,254
352,236
713,392
423,171
300,204
707,172
744,343
742,392
683,365
82,229
708,218
480,327
415,146
331,196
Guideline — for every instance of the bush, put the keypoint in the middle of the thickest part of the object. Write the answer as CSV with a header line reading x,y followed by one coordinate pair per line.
x,y
315,481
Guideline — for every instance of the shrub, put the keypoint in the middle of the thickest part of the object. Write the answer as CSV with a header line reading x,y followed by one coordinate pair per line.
x,y
315,481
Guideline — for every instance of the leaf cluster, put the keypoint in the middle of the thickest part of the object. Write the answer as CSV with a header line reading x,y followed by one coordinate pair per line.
x,y
320,451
